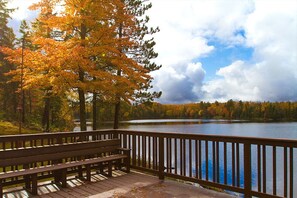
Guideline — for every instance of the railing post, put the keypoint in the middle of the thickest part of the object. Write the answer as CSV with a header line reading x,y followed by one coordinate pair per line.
x,y
161,158
247,170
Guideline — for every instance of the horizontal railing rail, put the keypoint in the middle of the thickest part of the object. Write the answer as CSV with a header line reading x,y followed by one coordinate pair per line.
x,y
245,165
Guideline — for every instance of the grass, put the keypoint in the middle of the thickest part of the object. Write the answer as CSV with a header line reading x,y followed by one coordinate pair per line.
x,y
8,128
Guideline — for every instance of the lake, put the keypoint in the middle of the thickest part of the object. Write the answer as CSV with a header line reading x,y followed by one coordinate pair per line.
x,y
216,127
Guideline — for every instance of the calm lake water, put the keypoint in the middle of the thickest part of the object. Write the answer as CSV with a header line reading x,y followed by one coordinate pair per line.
x,y
284,130
216,127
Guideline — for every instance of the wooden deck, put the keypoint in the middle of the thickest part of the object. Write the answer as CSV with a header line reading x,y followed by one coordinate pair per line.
x,y
121,185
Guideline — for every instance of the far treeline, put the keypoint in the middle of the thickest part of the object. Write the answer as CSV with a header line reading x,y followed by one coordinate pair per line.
x,y
252,111
75,53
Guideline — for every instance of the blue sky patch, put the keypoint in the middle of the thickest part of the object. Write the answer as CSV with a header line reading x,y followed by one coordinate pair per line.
x,y
224,55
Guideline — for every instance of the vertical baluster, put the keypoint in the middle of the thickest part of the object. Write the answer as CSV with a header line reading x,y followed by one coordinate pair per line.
x,y
233,164
138,146
161,157
218,161
181,156
247,170
285,171
190,158
167,154
206,159
264,167
196,158
225,162
274,169
238,164
213,161
184,157
143,151
200,160
134,150
129,141
259,167
291,172
149,151
170,156
154,153
125,140
175,156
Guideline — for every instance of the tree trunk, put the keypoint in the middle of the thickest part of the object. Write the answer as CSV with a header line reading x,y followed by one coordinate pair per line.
x,y
116,115
118,98
46,114
94,110
23,106
117,107
81,93
82,110
30,102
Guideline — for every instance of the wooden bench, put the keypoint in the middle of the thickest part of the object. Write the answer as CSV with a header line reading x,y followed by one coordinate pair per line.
x,y
59,160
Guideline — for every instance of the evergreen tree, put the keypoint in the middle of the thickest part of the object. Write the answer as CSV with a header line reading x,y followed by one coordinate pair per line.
x,y
8,97
142,51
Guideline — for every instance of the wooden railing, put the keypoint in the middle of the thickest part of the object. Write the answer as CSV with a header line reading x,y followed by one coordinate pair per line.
x,y
258,167
249,166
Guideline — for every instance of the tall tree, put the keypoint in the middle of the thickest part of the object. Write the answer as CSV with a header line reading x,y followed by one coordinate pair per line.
x,y
8,89
23,42
43,31
142,51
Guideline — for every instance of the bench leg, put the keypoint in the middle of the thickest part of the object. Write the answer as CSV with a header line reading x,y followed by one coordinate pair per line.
x,y
27,178
80,172
88,171
127,162
101,168
109,169
1,188
119,164
34,184
27,182
64,178
57,176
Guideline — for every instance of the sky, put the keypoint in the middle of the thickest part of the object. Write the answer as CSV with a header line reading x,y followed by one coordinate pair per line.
x,y
214,50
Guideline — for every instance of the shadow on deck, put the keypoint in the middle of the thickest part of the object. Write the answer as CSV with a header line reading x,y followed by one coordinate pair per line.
x,y
121,185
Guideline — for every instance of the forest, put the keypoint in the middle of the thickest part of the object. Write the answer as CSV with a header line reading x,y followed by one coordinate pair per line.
x,y
230,110
92,60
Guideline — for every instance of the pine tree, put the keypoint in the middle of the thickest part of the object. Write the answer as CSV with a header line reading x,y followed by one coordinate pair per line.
x,y
142,50
8,89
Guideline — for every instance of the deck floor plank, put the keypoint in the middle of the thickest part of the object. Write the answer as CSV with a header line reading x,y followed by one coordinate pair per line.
x,y
121,185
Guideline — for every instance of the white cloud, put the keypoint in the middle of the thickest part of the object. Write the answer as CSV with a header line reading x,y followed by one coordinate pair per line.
x,y
272,74
188,26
